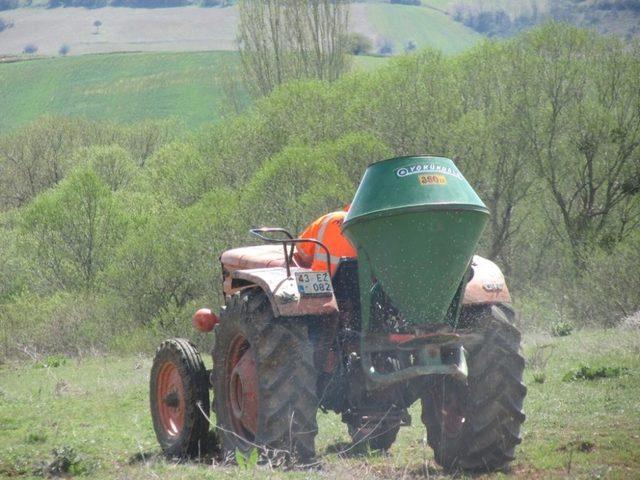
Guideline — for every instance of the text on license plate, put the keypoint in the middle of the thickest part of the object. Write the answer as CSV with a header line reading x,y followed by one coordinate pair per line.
x,y
314,283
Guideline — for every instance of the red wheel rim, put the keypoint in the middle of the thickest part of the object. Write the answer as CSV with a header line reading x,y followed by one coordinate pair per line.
x,y
170,395
242,389
450,413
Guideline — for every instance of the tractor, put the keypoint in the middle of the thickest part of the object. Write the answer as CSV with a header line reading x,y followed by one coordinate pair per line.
x,y
416,316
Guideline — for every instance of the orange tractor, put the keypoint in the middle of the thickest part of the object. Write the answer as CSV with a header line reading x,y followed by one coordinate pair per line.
x,y
417,316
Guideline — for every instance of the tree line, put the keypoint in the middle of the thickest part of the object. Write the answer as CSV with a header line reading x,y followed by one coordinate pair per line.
x,y
110,233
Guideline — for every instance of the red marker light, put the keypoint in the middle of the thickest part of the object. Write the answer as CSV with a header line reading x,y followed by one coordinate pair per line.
x,y
204,320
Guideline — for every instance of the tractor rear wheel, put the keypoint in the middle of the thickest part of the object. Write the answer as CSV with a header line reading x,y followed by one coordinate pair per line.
x,y
265,381
179,397
477,426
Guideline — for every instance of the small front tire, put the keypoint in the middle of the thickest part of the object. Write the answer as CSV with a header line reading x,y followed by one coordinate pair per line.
x,y
179,397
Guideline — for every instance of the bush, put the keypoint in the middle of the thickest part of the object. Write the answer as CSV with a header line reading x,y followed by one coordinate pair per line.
x,y
30,49
64,50
385,47
113,164
585,372
70,232
178,174
608,290
561,329
168,262
358,44
58,324
410,46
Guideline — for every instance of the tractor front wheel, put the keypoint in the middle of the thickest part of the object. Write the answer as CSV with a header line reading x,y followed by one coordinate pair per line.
x,y
179,394
477,426
265,381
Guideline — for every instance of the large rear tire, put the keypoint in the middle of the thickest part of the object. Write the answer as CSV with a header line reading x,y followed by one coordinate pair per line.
x,y
179,398
265,381
477,426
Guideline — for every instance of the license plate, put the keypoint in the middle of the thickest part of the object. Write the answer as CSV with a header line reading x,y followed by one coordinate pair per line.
x,y
314,283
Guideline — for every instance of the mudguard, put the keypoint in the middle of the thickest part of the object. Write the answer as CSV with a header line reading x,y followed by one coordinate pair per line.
x,y
487,284
282,292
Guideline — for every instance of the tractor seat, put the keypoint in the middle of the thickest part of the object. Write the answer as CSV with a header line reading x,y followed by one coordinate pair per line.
x,y
258,256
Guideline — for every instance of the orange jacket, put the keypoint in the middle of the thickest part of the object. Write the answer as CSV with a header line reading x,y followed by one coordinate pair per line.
x,y
327,230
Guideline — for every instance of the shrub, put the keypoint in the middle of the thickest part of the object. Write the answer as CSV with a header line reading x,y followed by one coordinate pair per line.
x,y
52,361
585,372
64,50
358,44
112,163
561,329
539,376
71,231
67,462
60,324
410,46
611,279
30,48
385,46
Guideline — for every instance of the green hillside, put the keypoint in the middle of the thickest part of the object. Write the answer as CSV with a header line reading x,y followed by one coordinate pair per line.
x,y
119,87
425,25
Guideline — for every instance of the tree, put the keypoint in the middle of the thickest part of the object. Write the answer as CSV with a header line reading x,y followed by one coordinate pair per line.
x,y
582,117
281,40
30,48
318,180
167,263
385,46
72,230
35,157
179,174
112,163
489,146
97,24
410,46
358,44
64,50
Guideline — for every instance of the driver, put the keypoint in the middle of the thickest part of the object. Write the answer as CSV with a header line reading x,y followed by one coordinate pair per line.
x,y
326,229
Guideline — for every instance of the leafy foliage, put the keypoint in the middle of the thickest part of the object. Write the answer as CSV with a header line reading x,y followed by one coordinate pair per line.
x,y
585,372
130,218
72,230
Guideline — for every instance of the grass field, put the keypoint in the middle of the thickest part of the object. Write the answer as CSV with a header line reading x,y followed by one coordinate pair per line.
x,y
123,87
117,87
424,25
94,412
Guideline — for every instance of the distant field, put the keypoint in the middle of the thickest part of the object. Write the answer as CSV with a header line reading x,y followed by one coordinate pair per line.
x,y
123,29
198,29
123,87
423,25
118,87
95,413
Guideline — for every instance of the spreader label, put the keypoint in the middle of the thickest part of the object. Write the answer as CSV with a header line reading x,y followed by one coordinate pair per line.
x,y
427,168
432,179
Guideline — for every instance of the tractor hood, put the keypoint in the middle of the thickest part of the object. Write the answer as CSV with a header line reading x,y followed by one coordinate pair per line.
x,y
415,222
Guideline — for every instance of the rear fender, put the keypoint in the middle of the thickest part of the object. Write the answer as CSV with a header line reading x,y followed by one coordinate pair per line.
x,y
487,284
282,292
